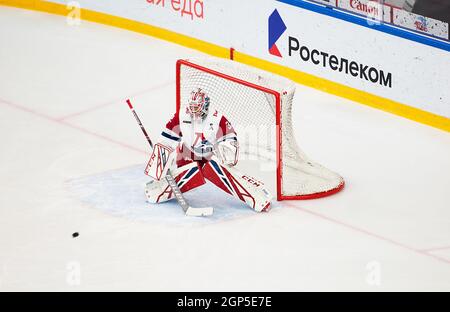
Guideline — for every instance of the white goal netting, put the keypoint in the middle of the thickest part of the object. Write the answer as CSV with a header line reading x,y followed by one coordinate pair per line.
x,y
248,99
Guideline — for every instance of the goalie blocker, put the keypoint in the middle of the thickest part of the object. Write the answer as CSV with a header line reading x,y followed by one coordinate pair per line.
x,y
160,161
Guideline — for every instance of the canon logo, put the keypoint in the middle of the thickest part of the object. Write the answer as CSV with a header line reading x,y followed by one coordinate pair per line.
x,y
371,7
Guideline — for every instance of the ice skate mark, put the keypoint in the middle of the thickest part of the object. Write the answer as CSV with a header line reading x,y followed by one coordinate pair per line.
x,y
371,234
116,100
67,124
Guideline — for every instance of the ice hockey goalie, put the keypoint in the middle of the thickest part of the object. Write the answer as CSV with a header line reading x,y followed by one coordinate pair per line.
x,y
199,144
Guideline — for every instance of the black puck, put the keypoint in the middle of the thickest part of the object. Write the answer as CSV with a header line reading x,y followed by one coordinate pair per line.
x,y
76,234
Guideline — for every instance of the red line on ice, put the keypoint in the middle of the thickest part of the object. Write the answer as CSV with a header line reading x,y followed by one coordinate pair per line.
x,y
108,103
435,249
65,123
374,235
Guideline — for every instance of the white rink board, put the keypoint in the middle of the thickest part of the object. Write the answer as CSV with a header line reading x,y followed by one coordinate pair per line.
x,y
420,75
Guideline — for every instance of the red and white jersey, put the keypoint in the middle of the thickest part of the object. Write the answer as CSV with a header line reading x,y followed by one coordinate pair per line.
x,y
197,134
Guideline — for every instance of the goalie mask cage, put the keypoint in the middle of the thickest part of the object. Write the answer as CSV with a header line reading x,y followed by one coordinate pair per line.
x,y
247,96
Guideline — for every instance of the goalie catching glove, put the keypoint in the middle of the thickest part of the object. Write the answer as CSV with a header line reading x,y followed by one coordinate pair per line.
x,y
228,152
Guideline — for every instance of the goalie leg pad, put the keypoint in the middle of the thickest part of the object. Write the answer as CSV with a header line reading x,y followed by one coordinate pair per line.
x,y
242,187
187,177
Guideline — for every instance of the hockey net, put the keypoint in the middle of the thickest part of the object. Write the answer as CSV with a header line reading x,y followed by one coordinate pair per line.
x,y
259,106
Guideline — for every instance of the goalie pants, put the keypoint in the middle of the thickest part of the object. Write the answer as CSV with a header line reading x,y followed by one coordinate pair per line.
x,y
192,174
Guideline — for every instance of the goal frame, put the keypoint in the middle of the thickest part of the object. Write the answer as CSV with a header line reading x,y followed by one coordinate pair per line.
x,y
277,95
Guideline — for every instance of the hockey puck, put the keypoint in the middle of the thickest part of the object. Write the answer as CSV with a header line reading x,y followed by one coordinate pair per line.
x,y
76,234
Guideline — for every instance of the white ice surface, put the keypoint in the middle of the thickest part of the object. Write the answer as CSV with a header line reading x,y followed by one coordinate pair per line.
x,y
71,160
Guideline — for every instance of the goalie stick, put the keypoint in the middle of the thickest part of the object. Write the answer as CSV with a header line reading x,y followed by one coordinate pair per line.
x,y
188,210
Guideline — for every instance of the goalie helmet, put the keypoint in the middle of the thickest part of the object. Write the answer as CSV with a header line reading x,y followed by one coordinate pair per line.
x,y
198,105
